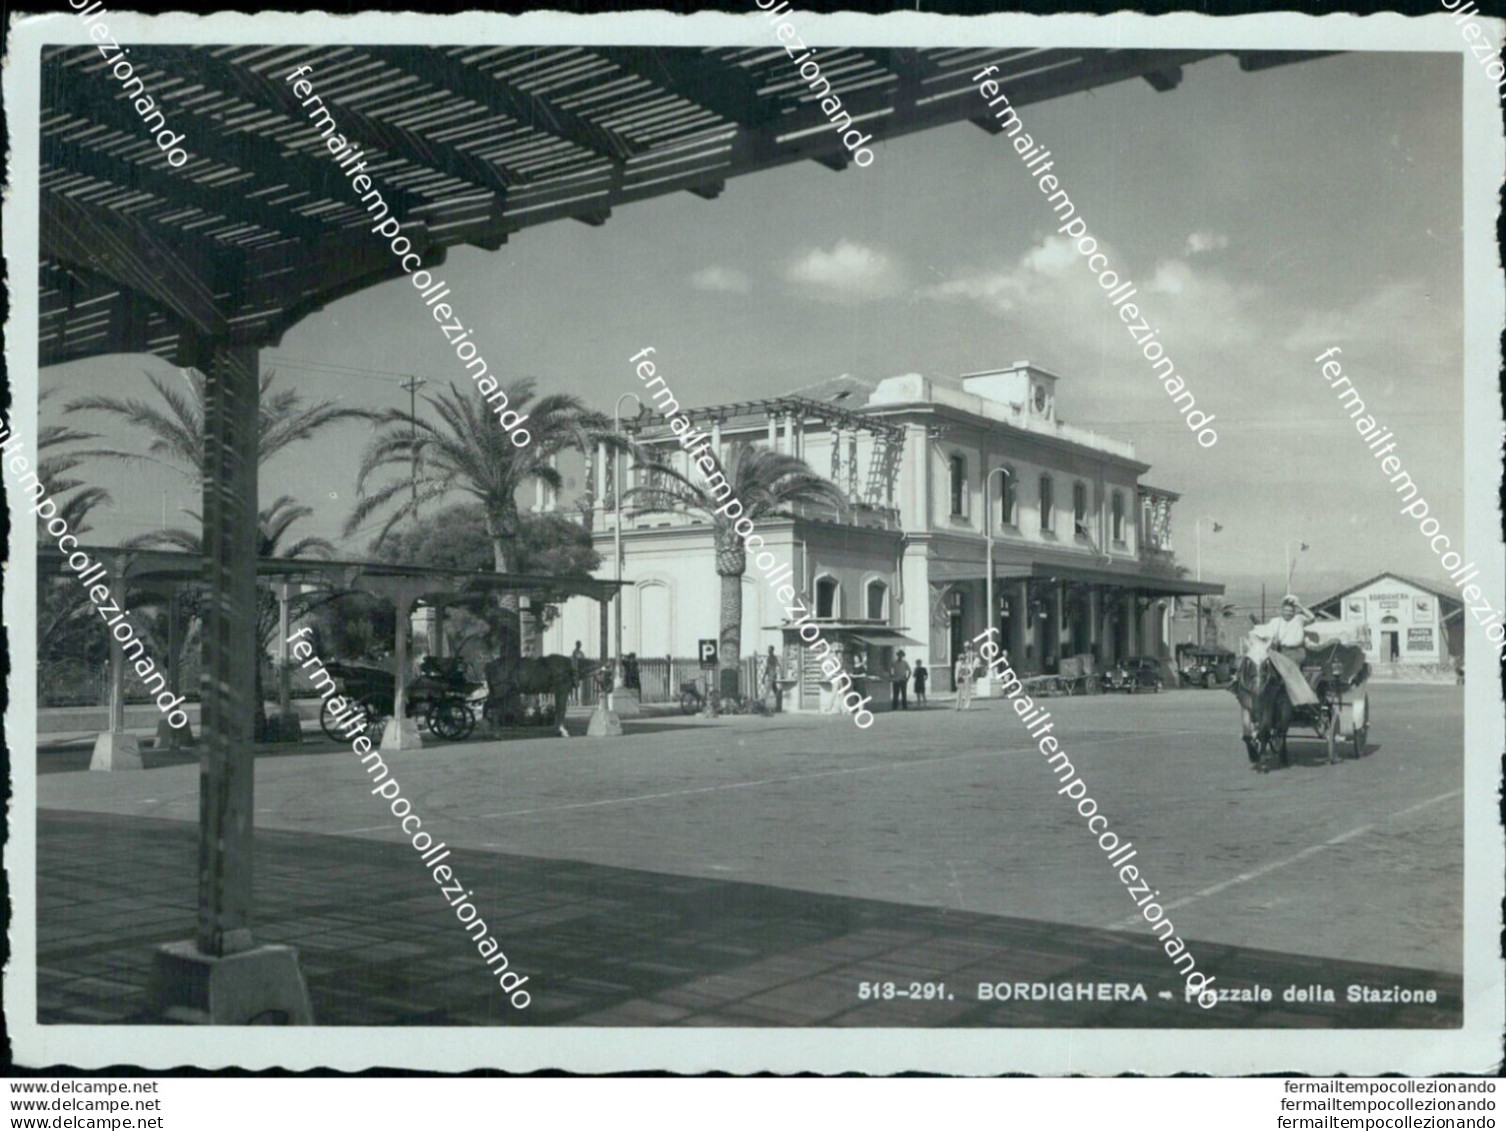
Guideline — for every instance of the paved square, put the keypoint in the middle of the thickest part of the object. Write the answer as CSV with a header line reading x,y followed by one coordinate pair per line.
x,y
756,871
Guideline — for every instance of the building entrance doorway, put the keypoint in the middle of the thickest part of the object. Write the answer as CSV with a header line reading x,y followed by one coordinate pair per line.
x,y
1391,646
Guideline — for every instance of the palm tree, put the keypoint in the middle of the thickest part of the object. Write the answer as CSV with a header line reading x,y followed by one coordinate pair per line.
x,y
176,427
53,471
766,483
65,621
462,449
1215,612
272,524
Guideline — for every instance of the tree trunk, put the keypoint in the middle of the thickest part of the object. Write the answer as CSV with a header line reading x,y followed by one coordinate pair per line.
x,y
731,563
510,646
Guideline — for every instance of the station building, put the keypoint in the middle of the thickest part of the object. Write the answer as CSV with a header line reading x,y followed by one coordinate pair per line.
x,y
932,467
1401,620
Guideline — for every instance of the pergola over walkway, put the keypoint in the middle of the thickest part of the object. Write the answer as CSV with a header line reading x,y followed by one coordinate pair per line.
x,y
208,263
168,572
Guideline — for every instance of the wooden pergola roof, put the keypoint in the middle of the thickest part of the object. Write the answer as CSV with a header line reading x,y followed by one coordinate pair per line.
x,y
466,144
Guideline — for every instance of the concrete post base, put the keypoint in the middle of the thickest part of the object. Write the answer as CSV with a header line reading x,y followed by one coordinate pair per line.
x,y
604,724
116,750
259,986
170,737
985,687
625,703
285,727
401,736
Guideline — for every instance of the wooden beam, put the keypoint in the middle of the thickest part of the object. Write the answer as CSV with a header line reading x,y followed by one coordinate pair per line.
x,y
439,69
1162,81
708,191
177,189
227,684
176,271
362,130
725,89
86,97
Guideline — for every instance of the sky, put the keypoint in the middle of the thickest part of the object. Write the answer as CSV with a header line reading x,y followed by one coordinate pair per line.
x,y
1264,217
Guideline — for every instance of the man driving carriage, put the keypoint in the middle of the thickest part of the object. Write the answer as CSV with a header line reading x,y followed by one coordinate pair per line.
x,y
1286,638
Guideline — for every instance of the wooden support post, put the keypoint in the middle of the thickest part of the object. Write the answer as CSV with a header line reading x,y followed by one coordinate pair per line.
x,y
219,977
115,749
170,737
226,774
604,721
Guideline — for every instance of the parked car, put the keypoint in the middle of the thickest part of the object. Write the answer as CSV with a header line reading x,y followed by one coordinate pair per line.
x,y
1206,667
1136,673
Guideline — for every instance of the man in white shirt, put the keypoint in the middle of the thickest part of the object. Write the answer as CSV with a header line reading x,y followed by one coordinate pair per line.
x,y
1287,637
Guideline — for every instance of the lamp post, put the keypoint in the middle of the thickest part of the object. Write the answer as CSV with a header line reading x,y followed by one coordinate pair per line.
x,y
617,537
988,538
1197,533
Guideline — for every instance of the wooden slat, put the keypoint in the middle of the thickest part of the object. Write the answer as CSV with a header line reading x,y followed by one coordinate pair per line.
x,y
360,129
86,96
171,271
434,66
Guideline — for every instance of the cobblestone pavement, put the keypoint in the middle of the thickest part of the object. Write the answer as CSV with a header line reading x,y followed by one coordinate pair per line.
x,y
756,871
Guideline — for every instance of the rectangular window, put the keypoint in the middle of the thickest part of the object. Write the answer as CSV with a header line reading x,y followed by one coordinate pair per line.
x,y
1118,516
1008,499
1048,506
1079,508
959,486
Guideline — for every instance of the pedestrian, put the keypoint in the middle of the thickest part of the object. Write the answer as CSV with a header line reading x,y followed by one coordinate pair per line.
x,y
578,661
962,674
899,682
771,674
921,675
630,677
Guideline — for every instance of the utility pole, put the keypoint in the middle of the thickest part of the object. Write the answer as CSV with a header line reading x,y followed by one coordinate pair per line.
x,y
413,384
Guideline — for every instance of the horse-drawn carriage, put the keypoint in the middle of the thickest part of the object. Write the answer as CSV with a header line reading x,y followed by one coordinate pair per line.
x,y
438,699
1334,668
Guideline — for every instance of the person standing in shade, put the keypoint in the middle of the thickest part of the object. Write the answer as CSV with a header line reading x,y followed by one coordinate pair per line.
x,y
963,675
921,675
899,682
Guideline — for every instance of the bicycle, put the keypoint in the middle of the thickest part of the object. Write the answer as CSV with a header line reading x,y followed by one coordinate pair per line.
x,y
693,700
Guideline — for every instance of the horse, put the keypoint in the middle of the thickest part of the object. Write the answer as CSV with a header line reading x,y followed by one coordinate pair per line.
x,y
507,682
1265,708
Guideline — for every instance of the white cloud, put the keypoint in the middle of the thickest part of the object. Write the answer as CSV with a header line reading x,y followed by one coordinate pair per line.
x,y
1205,241
848,273
727,280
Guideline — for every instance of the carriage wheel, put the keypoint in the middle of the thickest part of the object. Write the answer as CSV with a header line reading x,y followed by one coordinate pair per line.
x,y
1333,736
451,719
689,703
337,731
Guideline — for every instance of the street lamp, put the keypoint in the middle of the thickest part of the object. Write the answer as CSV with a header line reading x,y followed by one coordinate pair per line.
x,y
1197,532
988,536
617,535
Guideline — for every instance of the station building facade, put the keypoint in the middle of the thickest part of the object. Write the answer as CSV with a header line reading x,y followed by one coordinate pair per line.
x,y
932,467
1401,620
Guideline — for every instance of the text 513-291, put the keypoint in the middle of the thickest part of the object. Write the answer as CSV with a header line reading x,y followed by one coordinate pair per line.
x,y
915,991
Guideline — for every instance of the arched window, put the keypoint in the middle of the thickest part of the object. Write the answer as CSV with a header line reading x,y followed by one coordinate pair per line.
x,y
958,466
1079,508
1048,505
878,600
1008,497
828,597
